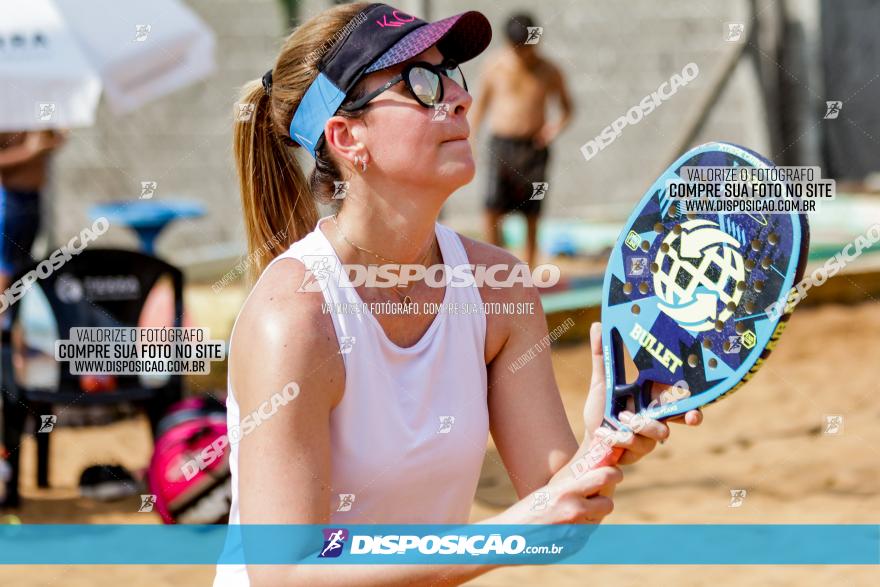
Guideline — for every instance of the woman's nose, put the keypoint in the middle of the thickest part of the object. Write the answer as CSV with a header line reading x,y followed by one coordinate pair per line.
x,y
458,98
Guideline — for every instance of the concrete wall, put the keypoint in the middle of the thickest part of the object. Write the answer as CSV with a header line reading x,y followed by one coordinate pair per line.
x,y
183,142
613,54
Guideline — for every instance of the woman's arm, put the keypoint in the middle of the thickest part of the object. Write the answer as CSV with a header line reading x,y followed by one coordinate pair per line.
x,y
284,464
527,417
528,420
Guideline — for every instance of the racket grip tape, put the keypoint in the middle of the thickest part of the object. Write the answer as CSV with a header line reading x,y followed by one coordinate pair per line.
x,y
602,452
611,458
602,455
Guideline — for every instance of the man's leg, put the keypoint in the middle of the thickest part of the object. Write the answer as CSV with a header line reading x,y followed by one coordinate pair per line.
x,y
536,167
532,239
497,202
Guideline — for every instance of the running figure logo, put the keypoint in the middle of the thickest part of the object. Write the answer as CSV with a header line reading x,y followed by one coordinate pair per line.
x,y
535,33
346,343
542,498
141,32
700,267
47,423
735,31
832,109
539,190
319,269
148,189
45,111
637,265
734,344
737,497
148,500
244,112
441,111
833,424
340,189
346,501
334,542
446,423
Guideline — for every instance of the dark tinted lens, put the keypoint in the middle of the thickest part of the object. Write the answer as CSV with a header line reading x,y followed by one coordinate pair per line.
x,y
425,84
457,76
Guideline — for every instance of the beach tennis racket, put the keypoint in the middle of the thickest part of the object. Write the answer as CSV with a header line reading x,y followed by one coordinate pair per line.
x,y
686,294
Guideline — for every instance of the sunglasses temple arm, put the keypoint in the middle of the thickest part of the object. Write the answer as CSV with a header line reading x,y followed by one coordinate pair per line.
x,y
365,99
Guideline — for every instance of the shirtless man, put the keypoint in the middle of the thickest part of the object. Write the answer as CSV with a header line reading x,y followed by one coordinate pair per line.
x,y
518,83
24,158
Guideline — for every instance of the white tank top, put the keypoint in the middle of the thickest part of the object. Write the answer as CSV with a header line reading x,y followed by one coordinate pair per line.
x,y
409,436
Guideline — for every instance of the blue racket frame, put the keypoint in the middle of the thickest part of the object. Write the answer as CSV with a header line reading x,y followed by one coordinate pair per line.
x,y
667,350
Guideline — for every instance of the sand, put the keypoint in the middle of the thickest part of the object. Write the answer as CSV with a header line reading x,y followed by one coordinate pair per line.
x,y
767,439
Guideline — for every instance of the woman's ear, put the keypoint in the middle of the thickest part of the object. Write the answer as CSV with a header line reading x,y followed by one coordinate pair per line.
x,y
341,135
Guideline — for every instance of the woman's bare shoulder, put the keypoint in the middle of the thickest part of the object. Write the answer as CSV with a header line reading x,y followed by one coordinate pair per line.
x,y
276,307
511,268
483,252
501,325
280,327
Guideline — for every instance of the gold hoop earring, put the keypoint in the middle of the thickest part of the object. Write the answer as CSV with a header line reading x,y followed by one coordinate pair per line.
x,y
361,162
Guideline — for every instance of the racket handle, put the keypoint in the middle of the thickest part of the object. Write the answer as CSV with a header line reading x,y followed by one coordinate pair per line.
x,y
600,451
610,458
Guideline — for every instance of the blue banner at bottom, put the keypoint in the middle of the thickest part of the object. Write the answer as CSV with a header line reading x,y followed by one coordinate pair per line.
x,y
793,544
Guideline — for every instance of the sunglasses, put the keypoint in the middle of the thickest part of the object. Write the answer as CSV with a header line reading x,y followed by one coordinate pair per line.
x,y
422,79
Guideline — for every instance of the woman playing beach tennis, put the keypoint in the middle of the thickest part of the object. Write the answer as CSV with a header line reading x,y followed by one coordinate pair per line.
x,y
394,409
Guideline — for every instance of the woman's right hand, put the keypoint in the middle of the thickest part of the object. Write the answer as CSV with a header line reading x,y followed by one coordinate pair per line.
x,y
567,499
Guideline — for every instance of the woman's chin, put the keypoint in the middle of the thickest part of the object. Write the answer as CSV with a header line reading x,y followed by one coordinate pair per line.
x,y
457,159
458,173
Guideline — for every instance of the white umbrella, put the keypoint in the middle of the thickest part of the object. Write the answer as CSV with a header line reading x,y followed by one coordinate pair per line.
x,y
57,55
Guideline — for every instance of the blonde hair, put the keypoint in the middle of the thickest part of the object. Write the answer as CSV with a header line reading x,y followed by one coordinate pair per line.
x,y
278,202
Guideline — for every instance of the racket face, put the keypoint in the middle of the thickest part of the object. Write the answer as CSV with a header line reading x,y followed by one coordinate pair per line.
x,y
687,294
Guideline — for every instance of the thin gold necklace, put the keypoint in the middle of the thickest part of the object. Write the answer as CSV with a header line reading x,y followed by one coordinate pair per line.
x,y
407,299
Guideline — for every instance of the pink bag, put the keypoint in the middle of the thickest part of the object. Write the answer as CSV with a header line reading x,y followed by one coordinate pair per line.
x,y
189,471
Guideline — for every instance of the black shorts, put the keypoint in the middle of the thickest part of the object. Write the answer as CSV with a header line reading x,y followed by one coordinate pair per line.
x,y
515,166
19,223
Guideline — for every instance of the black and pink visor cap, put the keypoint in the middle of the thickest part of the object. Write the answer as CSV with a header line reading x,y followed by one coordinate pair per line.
x,y
461,38
379,37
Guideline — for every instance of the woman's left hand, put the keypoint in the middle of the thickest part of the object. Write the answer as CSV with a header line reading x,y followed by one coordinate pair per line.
x,y
648,432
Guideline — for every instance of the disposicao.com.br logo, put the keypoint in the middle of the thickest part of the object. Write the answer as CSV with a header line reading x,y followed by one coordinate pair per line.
x,y
334,542
432,544
324,269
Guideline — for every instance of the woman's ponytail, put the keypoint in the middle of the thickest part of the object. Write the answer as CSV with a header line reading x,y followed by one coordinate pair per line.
x,y
276,200
279,202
